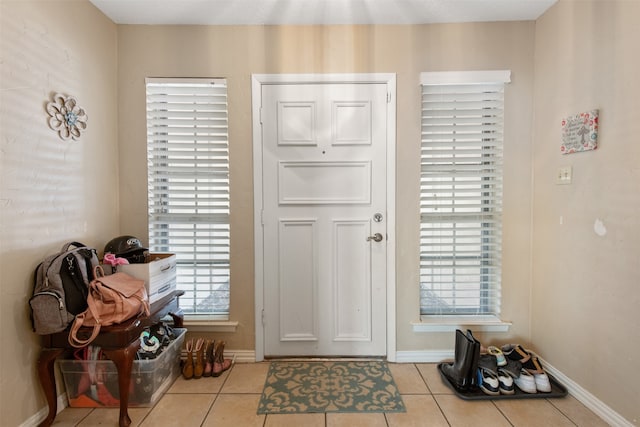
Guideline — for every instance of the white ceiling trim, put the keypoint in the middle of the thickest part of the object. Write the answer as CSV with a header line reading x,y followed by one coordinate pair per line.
x,y
318,12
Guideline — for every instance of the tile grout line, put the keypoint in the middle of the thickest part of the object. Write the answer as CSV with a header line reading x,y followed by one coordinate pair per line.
x,y
424,380
432,396
561,411
493,402
220,392
216,396
85,417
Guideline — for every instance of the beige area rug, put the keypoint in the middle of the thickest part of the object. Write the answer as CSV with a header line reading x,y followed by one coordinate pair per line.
x,y
340,386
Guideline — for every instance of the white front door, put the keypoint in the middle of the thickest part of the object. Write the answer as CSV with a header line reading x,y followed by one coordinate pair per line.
x,y
324,219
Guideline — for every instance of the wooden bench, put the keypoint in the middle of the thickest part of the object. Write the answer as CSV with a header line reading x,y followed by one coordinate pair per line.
x,y
118,342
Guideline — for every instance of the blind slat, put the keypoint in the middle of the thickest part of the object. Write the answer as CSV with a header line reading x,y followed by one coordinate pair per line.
x,y
202,138
162,147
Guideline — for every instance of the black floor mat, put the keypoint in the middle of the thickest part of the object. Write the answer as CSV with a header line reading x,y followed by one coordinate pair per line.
x,y
557,390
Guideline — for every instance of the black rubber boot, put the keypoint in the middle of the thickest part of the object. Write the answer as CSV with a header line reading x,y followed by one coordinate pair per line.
x,y
473,367
458,372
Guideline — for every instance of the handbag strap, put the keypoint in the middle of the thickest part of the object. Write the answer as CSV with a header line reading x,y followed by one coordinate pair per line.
x,y
98,269
146,308
76,342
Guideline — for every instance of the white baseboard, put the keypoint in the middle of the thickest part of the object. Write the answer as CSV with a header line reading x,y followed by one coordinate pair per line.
x,y
39,416
582,395
239,356
601,409
424,356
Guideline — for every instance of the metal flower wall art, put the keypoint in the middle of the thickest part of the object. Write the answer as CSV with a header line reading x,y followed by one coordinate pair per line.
x,y
66,117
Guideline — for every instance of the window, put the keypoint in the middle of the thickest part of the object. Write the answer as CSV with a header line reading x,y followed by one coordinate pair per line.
x,y
188,187
461,192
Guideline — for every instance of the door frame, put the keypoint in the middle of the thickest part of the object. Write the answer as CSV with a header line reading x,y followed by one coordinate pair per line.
x,y
257,81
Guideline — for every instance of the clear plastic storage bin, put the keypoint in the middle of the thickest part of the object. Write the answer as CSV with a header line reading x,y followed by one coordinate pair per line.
x,y
94,383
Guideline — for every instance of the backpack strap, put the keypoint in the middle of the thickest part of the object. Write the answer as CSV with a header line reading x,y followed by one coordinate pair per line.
x,y
66,246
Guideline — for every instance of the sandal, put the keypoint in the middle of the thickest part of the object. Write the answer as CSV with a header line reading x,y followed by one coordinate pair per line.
x,y
220,364
518,353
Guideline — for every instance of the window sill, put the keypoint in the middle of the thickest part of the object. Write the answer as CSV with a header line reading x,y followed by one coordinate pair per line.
x,y
451,323
195,325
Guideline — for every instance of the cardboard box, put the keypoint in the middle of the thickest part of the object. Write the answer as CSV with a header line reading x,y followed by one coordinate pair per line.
x,y
94,384
159,274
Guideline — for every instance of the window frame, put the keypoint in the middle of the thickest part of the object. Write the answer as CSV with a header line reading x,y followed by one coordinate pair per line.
x,y
191,216
488,313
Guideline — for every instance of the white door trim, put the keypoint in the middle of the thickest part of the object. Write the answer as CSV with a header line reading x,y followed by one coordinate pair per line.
x,y
257,80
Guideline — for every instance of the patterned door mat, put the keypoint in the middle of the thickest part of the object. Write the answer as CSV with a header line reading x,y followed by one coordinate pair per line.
x,y
340,386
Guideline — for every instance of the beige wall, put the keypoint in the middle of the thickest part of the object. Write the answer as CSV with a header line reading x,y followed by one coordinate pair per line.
x,y
586,299
51,191
571,294
236,52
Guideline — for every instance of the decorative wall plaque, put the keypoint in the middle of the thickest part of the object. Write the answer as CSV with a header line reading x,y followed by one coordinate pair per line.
x,y
580,132
66,117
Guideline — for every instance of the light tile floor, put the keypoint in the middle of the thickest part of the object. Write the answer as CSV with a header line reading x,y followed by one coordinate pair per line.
x,y
232,400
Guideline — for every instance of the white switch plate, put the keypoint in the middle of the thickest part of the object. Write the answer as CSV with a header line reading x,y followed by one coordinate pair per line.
x,y
564,175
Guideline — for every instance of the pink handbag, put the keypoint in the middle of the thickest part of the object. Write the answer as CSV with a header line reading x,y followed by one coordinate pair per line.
x,y
112,299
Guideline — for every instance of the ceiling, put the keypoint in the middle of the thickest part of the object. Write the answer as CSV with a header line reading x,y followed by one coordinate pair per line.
x,y
318,12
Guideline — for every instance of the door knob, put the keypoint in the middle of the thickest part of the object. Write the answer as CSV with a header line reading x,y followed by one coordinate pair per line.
x,y
376,238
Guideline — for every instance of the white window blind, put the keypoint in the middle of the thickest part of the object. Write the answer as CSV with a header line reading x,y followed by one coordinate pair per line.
x,y
461,192
188,187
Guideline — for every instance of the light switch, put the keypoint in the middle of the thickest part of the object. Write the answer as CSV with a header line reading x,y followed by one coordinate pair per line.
x,y
564,175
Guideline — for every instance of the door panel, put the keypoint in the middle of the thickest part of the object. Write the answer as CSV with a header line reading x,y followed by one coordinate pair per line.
x,y
297,287
324,178
318,182
352,281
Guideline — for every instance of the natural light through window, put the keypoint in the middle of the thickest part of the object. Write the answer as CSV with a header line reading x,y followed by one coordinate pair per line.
x,y
188,187
461,193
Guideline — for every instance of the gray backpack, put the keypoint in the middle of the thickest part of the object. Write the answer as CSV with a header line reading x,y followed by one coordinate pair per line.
x,y
60,288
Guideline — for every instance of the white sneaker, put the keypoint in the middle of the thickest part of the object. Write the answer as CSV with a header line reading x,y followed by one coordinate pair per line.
x,y
542,382
488,382
506,382
526,382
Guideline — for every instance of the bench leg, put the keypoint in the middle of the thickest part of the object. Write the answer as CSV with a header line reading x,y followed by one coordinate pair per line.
x,y
123,359
48,381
